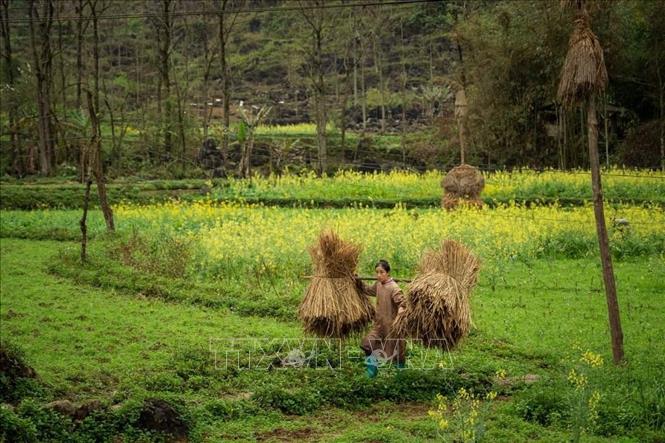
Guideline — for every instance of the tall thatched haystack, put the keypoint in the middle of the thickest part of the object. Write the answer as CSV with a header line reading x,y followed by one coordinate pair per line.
x,y
462,184
332,306
437,307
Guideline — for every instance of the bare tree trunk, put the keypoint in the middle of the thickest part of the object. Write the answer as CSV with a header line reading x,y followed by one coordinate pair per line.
x,y
404,79
316,21
431,64
344,100
164,29
321,122
96,164
209,57
379,73
607,137
226,22
42,58
181,124
10,96
661,90
363,92
605,253
582,131
114,145
82,222
165,68
247,173
564,119
79,52
95,52
559,137
117,135
61,60
355,69
225,78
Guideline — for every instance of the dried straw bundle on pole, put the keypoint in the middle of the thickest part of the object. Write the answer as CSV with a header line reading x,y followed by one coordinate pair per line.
x,y
584,72
332,306
583,78
437,307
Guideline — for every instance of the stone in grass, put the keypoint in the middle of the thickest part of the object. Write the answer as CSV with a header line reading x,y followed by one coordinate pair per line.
x,y
76,412
513,381
159,415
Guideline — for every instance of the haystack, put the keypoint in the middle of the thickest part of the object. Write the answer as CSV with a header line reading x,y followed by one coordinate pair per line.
x,y
437,307
449,202
463,183
332,306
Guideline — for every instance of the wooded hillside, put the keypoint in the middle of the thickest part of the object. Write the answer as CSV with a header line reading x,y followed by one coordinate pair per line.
x,y
375,80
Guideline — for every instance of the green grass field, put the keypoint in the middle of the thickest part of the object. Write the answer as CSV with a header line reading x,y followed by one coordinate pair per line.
x,y
153,310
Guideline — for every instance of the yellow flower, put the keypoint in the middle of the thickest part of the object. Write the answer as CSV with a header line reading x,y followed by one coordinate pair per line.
x,y
462,394
577,380
592,359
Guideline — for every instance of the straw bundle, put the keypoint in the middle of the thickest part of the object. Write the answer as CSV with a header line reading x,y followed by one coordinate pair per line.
x,y
462,183
332,306
437,307
454,259
584,71
448,202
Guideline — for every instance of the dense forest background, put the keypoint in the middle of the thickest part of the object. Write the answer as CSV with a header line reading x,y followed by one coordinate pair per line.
x,y
183,88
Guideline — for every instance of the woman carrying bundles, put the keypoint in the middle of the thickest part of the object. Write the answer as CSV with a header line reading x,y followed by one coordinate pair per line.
x,y
378,345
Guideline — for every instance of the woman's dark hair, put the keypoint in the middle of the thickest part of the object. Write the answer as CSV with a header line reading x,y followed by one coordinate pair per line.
x,y
384,264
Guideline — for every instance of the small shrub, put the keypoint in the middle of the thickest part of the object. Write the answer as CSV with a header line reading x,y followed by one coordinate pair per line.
x,y
543,405
295,402
14,428
49,424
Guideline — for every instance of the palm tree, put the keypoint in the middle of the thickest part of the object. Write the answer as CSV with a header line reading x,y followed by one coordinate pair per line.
x,y
583,78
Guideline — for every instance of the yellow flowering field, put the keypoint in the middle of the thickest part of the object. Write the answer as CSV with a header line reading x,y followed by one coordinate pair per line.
x,y
407,185
231,238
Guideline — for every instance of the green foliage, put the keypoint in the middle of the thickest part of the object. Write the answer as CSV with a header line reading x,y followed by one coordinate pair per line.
x,y
296,401
163,254
49,425
184,372
546,405
14,428
231,409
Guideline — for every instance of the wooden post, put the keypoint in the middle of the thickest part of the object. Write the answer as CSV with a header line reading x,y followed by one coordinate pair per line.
x,y
460,114
605,255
